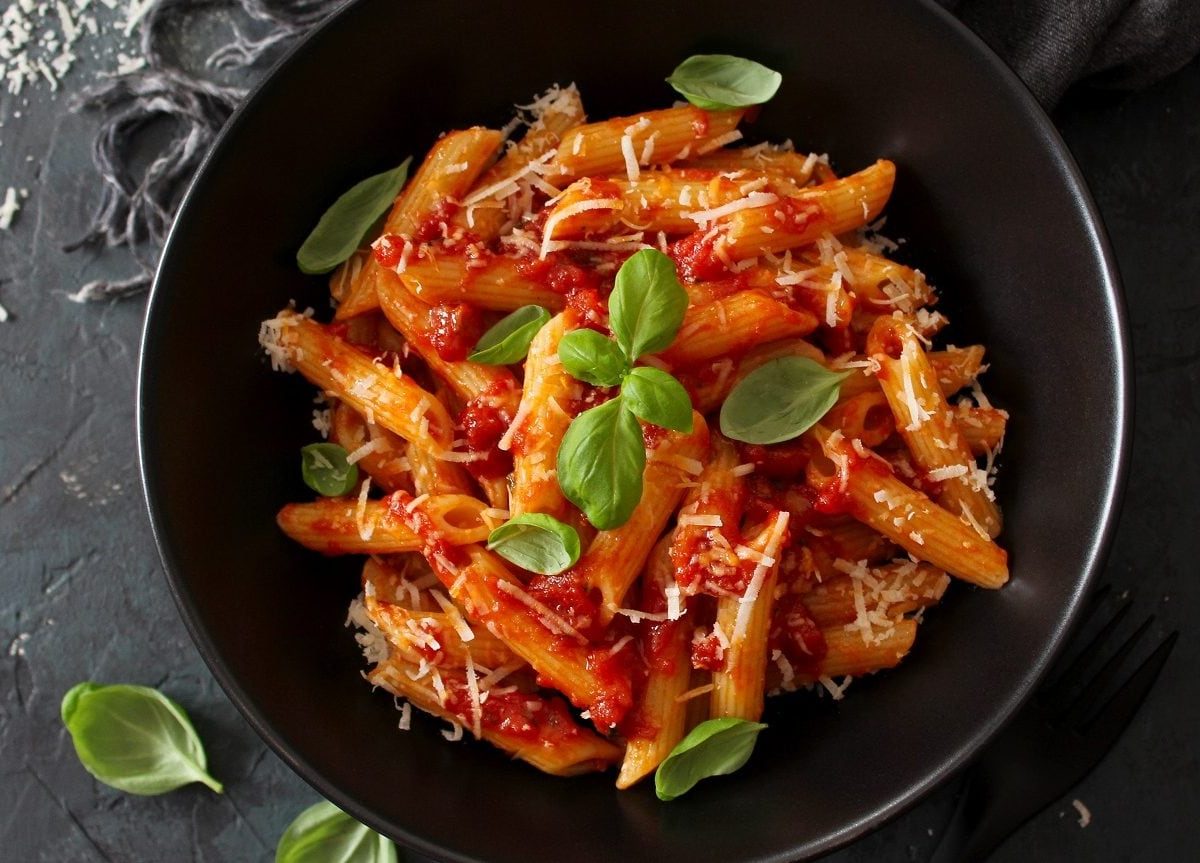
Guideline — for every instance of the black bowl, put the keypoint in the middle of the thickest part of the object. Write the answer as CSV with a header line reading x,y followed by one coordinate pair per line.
x,y
993,209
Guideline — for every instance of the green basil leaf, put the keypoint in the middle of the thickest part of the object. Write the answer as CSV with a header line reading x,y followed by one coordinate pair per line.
x,y
647,303
325,834
325,469
600,464
134,738
717,82
713,748
779,400
591,357
508,341
343,225
536,542
656,397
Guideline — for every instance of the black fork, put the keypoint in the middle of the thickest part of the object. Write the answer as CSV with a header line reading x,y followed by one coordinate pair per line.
x,y
1054,742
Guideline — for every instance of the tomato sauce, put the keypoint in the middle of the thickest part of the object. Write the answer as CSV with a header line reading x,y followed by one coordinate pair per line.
x,y
435,547
785,460
708,654
484,422
695,257
453,329
521,715
568,596
794,634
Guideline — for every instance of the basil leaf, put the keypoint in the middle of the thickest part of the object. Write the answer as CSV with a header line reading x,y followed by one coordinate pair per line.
x,y
134,738
713,748
647,303
325,834
343,225
325,469
591,357
600,464
656,397
508,341
779,400
536,542
717,82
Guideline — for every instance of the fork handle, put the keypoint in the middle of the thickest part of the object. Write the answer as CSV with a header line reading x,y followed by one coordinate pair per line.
x,y
976,828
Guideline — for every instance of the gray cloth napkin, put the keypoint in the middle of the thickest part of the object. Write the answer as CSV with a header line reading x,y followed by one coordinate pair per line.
x,y
1052,44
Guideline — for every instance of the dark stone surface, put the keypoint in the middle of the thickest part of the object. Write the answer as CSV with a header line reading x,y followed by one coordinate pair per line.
x,y
82,595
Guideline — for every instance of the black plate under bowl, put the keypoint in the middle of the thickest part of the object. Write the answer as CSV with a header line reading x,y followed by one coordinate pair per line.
x,y
993,209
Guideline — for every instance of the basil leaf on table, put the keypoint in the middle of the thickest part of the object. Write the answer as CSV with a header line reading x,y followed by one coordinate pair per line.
x,y
343,225
600,464
780,400
508,340
717,82
536,542
325,469
647,303
325,834
134,738
656,397
713,748
592,358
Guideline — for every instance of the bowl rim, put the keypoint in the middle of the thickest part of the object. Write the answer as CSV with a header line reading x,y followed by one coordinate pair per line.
x,y
1098,245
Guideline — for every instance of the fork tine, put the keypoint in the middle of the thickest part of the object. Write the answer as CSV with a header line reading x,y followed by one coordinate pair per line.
x,y
1094,688
1057,693
1110,721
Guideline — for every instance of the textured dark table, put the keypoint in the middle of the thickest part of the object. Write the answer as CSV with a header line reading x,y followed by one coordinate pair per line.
x,y
82,595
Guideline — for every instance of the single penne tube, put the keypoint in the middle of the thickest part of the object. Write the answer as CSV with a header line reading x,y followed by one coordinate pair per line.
x,y
733,324
383,397
497,283
659,719
883,284
832,208
484,213
540,423
856,480
983,428
616,557
956,367
847,655
373,448
865,416
928,426
799,168
891,590
346,526
624,144
738,687
849,539
451,168
433,475
437,637
410,317
535,728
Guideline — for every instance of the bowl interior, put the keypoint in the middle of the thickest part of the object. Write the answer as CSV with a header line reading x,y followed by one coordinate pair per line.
x,y
991,209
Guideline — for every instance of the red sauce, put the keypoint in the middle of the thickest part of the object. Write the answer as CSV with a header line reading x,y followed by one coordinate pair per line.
x,y
611,705
794,633
590,307
484,422
387,250
435,225
695,259
799,215
559,273
652,435
785,460
696,558
520,715
568,595
452,329
435,547
341,329
699,123
708,654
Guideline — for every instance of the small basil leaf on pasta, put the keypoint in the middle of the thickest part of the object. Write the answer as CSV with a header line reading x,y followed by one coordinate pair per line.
x,y
779,400
343,225
713,748
592,358
600,464
508,340
656,397
716,82
536,542
323,833
325,469
134,738
647,303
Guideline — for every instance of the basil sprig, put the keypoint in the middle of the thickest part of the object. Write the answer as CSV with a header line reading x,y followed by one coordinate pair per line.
x,y
134,738
780,400
602,455
718,82
713,748
508,340
323,833
325,469
536,542
343,225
